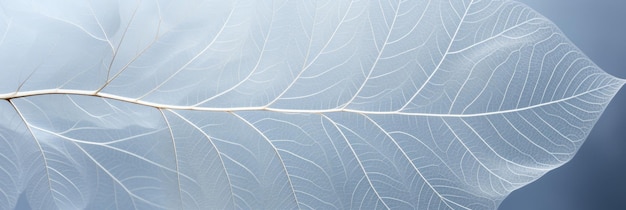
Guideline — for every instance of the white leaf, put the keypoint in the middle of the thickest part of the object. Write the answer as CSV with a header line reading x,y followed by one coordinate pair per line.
x,y
286,104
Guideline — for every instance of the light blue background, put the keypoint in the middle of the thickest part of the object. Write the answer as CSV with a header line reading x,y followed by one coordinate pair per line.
x,y
596,177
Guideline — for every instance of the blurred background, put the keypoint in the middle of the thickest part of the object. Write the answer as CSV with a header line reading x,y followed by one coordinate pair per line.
x,y
596,177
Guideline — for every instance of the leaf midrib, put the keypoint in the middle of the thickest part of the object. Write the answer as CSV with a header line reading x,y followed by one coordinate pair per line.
x,y
618,83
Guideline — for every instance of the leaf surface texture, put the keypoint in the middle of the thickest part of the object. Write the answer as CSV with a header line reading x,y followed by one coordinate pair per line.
x,y
286,104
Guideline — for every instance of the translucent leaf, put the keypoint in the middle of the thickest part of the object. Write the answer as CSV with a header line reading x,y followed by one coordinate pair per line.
x,y
286,104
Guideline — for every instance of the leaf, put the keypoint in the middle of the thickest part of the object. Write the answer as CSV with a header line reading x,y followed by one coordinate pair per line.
x,y
286,104
595,168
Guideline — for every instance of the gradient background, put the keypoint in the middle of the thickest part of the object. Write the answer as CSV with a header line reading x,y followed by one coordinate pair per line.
x,y
596,177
